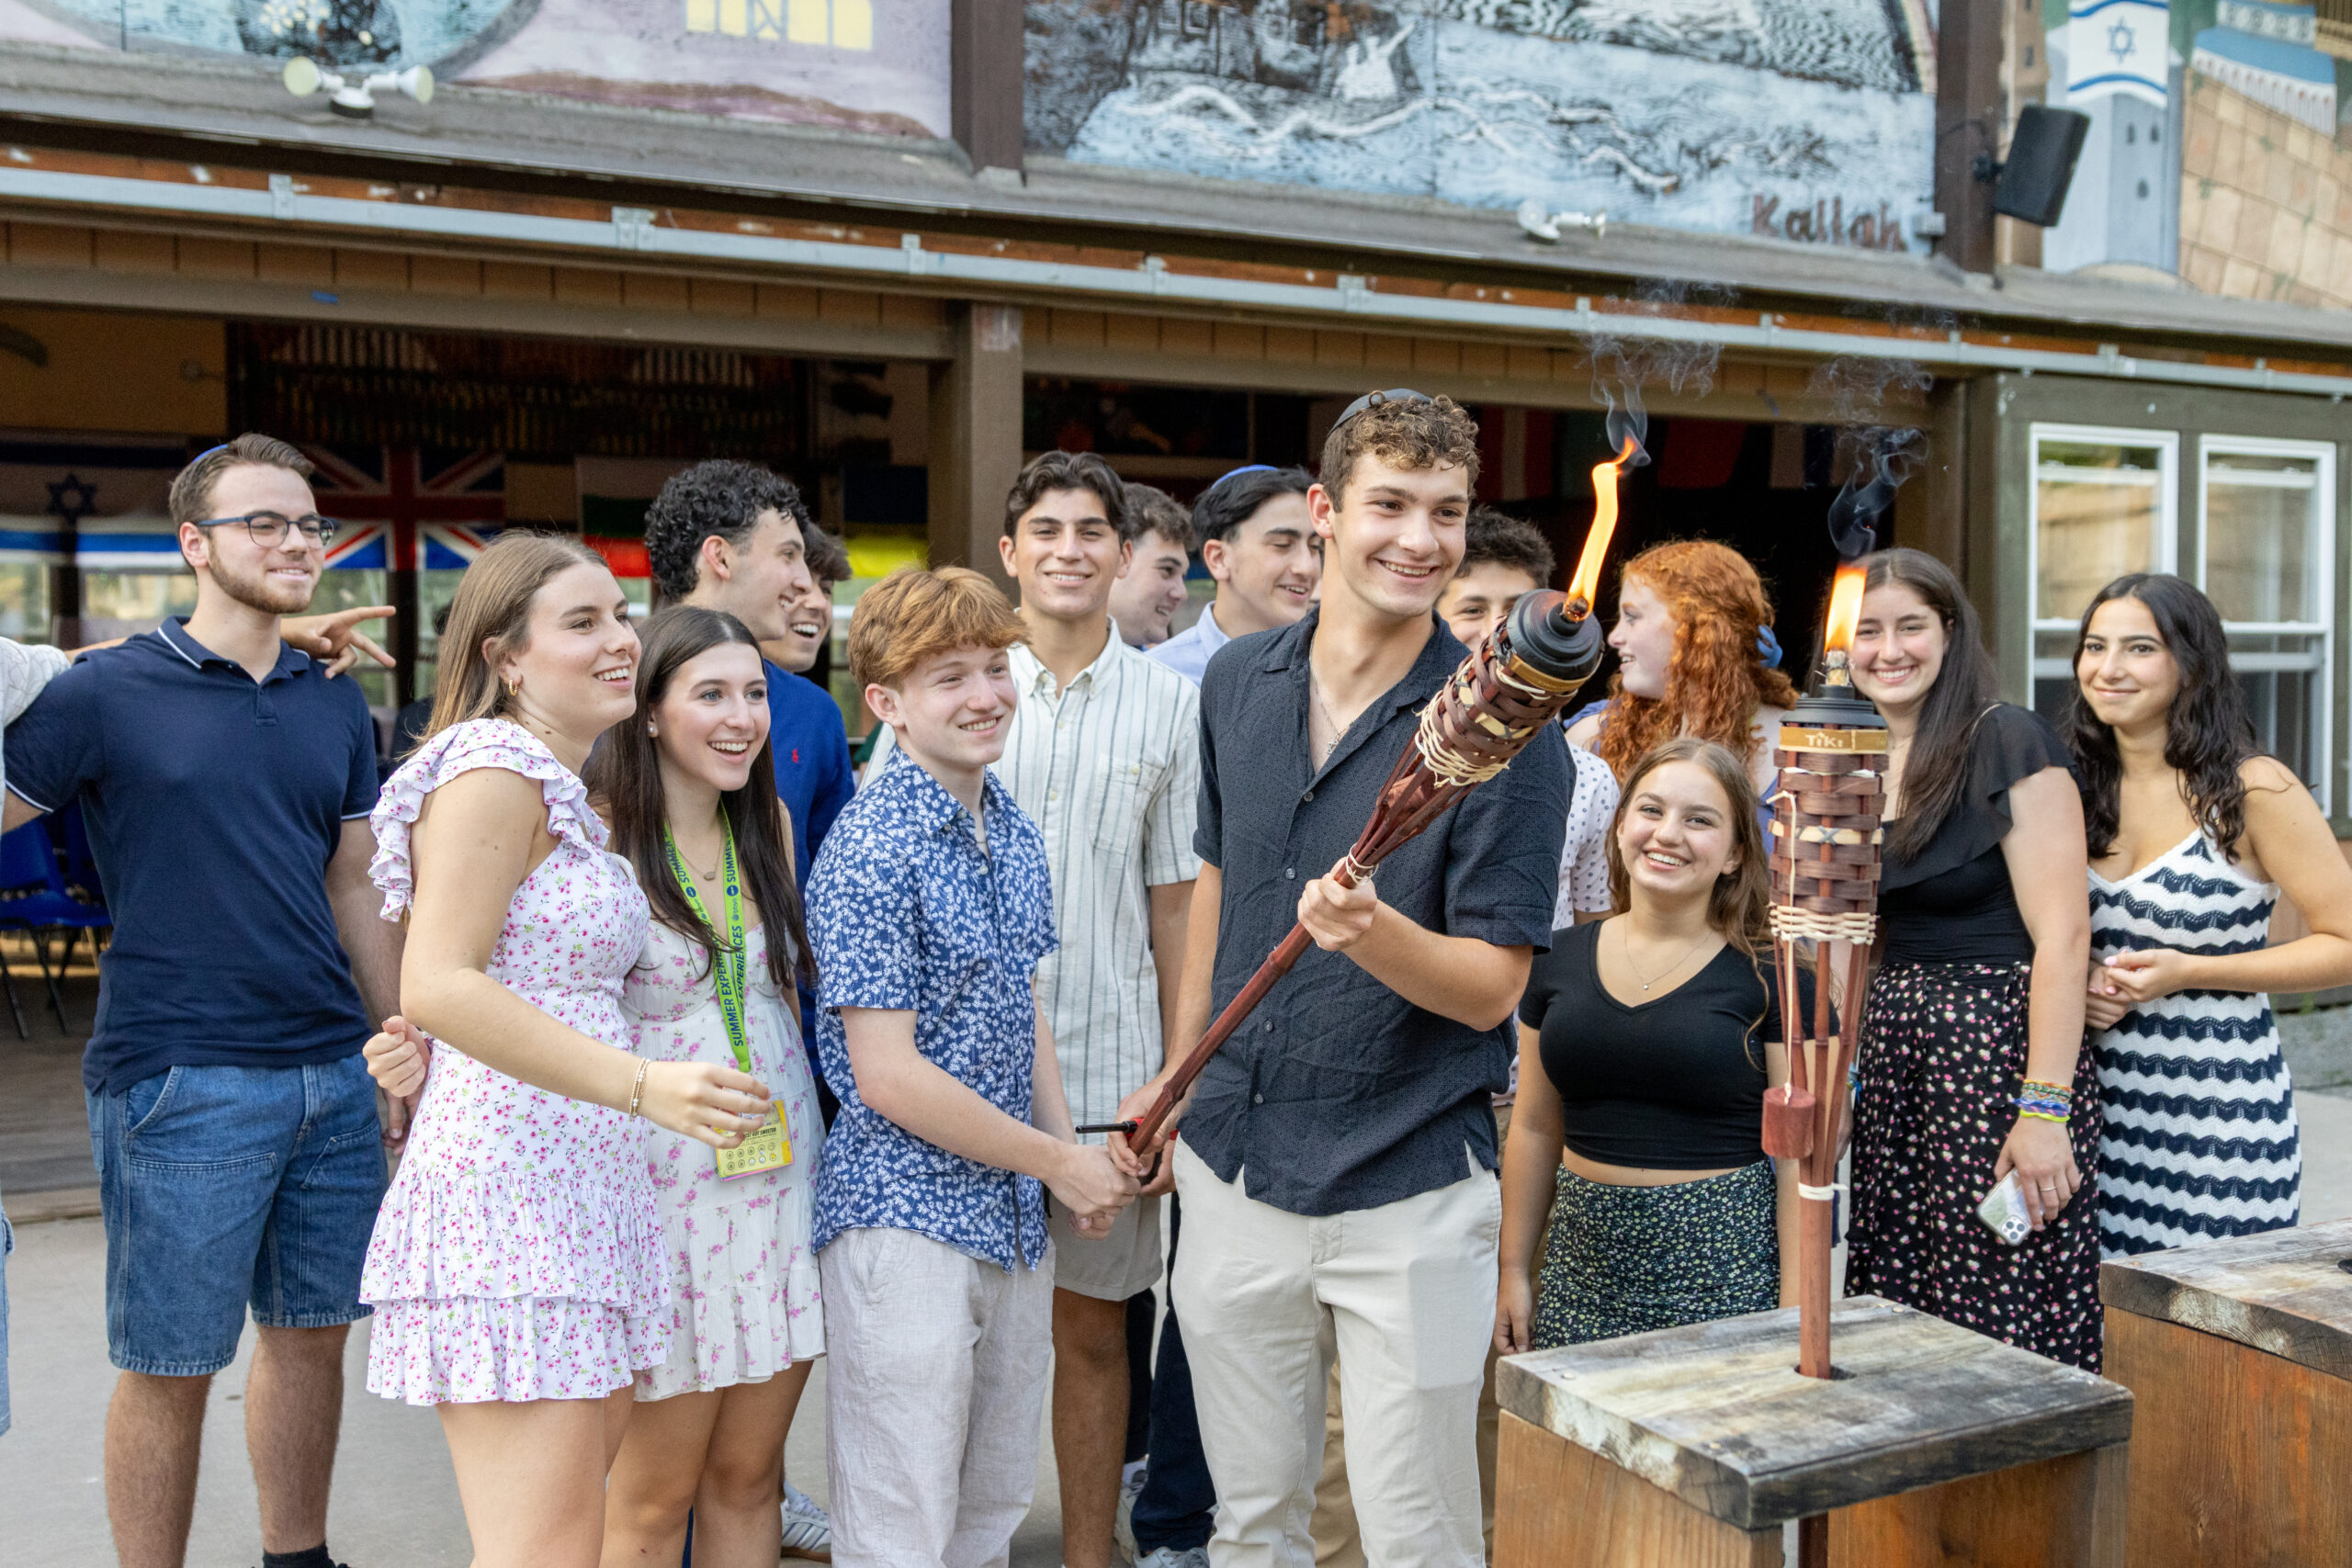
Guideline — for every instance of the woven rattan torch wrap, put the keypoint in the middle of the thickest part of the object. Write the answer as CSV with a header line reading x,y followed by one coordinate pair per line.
x,y
1827,838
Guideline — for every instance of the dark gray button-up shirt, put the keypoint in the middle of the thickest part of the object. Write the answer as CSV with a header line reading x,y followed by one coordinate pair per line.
x,y
1337,1093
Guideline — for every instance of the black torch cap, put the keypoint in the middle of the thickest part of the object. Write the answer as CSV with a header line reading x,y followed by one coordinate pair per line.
x,y
1547,639
1838,707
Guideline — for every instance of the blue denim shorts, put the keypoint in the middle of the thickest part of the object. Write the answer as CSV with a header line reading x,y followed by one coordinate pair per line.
x,y
225,1187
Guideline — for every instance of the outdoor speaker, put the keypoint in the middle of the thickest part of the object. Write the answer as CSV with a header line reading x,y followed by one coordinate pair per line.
x,y
2041,165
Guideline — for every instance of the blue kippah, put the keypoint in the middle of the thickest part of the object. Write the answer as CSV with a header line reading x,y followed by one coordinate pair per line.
x,y
1237,473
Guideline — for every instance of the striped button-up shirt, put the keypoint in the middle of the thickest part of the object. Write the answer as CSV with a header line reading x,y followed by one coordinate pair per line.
x,y
1109,768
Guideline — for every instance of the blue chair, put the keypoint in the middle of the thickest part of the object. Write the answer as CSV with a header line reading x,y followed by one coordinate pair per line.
x,y
33,899
80,866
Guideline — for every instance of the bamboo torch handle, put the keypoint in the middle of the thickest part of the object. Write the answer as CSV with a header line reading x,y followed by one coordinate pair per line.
x,y
1277,965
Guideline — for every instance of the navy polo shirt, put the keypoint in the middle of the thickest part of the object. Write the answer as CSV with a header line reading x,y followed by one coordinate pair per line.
x,y
213,803
1337,1094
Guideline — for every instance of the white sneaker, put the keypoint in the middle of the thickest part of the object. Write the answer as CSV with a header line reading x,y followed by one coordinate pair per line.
x,y
808,1529
1169,1557
1122,1527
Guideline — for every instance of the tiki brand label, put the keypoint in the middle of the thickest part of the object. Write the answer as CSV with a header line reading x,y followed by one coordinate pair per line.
x,y
1795,739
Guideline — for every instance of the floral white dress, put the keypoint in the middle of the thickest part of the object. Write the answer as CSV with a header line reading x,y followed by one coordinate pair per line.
x,y
744,1302
519,1254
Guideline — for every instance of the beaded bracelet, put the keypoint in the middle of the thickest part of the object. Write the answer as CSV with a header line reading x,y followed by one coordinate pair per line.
x,y
636,1090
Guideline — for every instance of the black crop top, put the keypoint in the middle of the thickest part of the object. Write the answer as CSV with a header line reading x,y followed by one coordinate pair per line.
x,y
1674,1083
1952,903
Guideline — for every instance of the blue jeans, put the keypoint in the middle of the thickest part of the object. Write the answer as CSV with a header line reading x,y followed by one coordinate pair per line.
x,y
230,1187
1177,1508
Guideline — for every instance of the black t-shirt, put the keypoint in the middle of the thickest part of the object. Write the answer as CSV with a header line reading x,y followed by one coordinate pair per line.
x,y
1952,902
1674,1083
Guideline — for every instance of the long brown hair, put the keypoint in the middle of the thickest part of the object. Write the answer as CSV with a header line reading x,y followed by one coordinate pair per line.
x,y
625,774
1736,906
1715,679
1943,747
493,606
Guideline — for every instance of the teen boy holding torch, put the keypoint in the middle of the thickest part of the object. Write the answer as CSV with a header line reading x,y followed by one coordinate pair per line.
x,y
1343,1143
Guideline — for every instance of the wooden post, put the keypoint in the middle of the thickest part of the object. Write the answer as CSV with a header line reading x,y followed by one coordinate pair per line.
x,y
975,448
1696,1445
1968,124
2240,1355
985,85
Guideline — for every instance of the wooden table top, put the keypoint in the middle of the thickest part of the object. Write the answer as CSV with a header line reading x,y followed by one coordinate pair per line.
x,y
1717,1414
2288,1293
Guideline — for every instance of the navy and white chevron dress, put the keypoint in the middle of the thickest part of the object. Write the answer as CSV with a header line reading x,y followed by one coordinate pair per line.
x,y
2200,1138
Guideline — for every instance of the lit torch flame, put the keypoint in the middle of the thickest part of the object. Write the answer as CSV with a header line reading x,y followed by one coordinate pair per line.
x,y
1845,608
1586,583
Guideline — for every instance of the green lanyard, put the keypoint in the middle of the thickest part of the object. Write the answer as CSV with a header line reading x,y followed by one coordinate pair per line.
x,y
727,968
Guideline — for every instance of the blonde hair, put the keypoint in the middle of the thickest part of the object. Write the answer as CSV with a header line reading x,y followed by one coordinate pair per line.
x,y
493,606
913,615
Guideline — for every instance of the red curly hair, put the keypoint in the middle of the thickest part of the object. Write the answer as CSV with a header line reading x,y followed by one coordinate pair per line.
x,y
1714,683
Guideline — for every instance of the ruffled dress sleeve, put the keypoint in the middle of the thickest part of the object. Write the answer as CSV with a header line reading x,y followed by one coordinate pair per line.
x,y
2010,744
477,743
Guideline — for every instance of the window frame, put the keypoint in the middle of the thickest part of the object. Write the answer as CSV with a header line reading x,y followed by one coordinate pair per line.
x,y
2166,525
2323,570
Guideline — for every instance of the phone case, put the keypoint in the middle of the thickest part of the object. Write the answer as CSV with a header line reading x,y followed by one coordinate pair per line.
x,y
2003,1211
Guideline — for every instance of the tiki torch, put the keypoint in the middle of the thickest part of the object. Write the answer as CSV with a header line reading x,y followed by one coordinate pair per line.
x,y
1513,683
1824,865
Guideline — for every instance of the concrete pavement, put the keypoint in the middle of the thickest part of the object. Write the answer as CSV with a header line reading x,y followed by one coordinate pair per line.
x,y
395,1499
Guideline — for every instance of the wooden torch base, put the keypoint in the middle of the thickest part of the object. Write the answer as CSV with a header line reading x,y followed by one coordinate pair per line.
x,y
1692,1447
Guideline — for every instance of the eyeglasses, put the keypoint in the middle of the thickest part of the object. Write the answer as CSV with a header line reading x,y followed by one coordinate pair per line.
x,y
269,529
1373,399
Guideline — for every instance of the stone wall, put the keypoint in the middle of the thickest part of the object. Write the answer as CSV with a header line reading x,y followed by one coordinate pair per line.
x,y
2265,202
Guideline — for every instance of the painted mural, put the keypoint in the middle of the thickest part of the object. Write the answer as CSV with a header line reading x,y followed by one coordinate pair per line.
x,y
878,66
2219,152
1810,120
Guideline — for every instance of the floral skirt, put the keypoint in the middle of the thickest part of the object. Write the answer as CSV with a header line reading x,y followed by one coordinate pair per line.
x,y
1624,1261
1943,1052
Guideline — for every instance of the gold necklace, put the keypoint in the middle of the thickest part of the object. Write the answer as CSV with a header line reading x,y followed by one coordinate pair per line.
x,y
1626,952
712,875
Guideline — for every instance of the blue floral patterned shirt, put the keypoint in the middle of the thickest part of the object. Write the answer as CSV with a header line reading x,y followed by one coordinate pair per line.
x,y
906,912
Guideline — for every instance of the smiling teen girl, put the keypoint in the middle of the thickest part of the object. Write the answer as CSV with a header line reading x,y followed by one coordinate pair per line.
x,y
1974,1025
2193,836
1659,1030
684,784
517,1267
1690,618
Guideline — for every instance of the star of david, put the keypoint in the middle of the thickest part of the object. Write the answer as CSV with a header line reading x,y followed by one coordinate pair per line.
x,y
73,498
2121,40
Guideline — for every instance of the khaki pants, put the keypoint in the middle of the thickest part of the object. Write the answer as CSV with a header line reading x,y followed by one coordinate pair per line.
x,y
1337,1544
1404,1296
935,1373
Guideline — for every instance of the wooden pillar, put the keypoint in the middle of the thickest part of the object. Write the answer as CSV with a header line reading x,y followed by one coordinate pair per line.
x,y
985,81
1931,510
975,448
1968,124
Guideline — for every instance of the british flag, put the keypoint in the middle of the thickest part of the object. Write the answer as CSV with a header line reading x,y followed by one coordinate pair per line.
x,y
390,499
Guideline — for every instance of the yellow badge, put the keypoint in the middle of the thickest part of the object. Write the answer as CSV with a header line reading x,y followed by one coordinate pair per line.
x,y
767,1149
